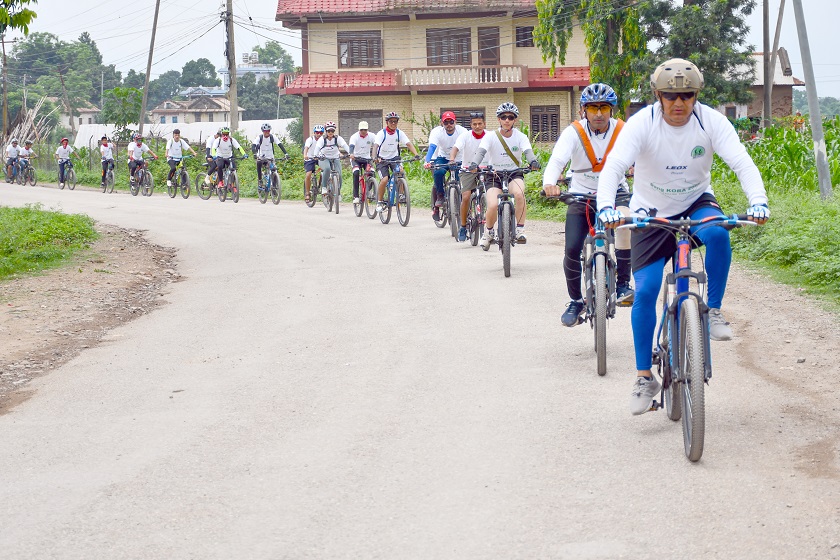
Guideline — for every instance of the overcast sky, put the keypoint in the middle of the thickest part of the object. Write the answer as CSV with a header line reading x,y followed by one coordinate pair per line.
x,y
186,31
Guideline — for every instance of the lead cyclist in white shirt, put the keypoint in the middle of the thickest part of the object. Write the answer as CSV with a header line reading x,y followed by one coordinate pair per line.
x,y
673,144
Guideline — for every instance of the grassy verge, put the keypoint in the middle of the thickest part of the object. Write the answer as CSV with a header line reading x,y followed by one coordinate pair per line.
x,y
33,239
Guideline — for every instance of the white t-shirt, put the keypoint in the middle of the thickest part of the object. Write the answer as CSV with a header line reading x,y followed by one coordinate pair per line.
x,y
13,151
444,142
224,149
24,153
467,146
106,151
390,144
210,141
64,153
176,149
136,152
330,148
674,163
496,154
265,145
569,147
362,146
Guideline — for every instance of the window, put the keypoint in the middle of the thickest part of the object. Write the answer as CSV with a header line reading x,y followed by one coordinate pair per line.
x,y
545,123
448,47
163,120
80,120
197,117
525,36
209,117
462,116
174,120
359,49
731,113
348,122
90,120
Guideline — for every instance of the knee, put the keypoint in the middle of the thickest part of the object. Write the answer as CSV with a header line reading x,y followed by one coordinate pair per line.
x,y
647,290
716,239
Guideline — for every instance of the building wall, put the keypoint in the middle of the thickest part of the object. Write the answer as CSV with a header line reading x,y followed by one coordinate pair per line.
x,y
782,101
531,57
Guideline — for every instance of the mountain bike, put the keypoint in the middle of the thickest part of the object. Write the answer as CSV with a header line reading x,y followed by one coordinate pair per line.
x,y
230,182
397,194
478,206
506,230
451,207
203,189
143,182
69,175
270,182
370,186
332,195
181,180
17,173
367,184
314,187
682,352
598,263
108,183
28,175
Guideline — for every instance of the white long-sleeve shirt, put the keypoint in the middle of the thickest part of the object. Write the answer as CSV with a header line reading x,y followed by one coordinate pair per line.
x,y
674,164
569,147
362,146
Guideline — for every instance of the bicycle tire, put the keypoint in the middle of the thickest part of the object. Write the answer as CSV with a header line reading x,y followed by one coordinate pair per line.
x,y
276,188
109,181
504,234
171,189
481,216
600,322
184,180
233,186
262,192
385,215
671,395
359,208
403,208
443,212
33,177
148,184
19,178
202,189
70,179
336,191
693,379
454,212
104,185
472,221
313,188
370,198
221,192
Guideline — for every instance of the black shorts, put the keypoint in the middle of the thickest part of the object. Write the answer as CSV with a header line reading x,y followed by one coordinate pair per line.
x,y
494,181
650,245
310,164
386,165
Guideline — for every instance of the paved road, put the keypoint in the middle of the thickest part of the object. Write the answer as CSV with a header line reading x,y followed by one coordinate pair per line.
x,y
324,386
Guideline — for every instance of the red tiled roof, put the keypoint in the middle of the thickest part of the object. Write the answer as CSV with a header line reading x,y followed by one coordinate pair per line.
x,y
343,82
286,8
563,77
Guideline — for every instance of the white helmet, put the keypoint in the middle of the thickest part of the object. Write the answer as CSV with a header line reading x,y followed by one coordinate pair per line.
x,y
507,107
329,125
265,127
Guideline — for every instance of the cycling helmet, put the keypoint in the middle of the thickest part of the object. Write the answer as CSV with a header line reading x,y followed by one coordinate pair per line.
x,y
265,127
225,131
28,142
329,125
318,128
507,107
598,93
392,115
137,136
65,140
676,74
14,141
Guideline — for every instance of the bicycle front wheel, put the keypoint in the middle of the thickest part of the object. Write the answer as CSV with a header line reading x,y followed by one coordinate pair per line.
x,y
70,178
403,202
276,190
109,181
336,190
221,191
601,301
233,186
32,177
692,379
184,180
454,211
203,189
443,211
171,189
504,235
671,395
370,199
262,191
148,184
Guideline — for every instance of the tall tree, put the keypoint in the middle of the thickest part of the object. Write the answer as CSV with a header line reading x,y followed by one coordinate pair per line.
x,y
260,99
135,80
166,86
199,72
15,15
121,107
274,53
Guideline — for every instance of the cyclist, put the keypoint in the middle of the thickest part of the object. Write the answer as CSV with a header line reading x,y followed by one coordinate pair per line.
x,y
175,153
327,151
672,144
62,155
360,146
106,151
223,152
263,149
586,143
505,150
136,150
309,163
208,155
12,154
387,145
26,153
441,140
467,145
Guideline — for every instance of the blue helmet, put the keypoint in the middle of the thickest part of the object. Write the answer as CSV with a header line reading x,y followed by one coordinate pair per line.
x,y
598,93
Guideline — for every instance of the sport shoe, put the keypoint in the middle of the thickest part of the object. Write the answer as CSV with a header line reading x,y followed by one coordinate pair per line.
x,y
438,201
380,207
520,235
357,200
718,326
61,185
207,180
168,183
436,214
462,233
624,294
571,317
644,390
323,190
485,241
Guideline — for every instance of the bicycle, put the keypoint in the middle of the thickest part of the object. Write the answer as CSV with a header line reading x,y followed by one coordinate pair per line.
x,y
143,180
332,194
397,194
230,182
598,263
69,175
202,188
478,206
367,184
314,187
183,180
506,230
270,182
451,208
28,174
682,352
109,177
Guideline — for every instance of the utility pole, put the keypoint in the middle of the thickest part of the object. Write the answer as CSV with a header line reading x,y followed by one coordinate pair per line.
x,y
823,174
25,108
231,58
67,102
102,91
768,72
5,88
776,42
148,71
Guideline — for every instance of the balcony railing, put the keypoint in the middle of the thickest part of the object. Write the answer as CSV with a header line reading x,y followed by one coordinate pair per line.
x,y
464,77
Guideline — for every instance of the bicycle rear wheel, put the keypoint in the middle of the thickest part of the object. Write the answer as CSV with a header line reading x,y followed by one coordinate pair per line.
x,y
202,189
70,179
505,212
184,180
171,189
454,211
233,186
601,301
370,199
148,184
403,202
276,190
693,379
221,191
109,181
336,190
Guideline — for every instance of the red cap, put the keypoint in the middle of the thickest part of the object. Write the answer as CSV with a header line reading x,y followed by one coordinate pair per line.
x,y
448,115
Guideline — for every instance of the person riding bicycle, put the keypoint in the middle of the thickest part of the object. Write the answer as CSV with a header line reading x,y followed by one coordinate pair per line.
x,y
361,144
386,149
136,150
106,151
12,154
62,155
26,154
263,149
505,150
208,155
672,144
223,152
467,146
175,147
326,150
309,163
441,140
586,143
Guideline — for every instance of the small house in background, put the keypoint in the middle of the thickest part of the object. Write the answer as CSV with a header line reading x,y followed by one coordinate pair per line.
x,y
250,65
782,96
203,91
85,113
195,110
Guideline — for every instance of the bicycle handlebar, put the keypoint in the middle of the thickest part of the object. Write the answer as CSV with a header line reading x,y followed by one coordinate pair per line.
x,y
729,222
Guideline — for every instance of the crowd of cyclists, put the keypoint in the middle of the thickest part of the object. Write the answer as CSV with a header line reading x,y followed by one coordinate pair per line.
x,y
668,147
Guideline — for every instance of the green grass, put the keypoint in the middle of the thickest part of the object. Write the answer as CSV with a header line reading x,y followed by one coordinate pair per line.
x,y
33,239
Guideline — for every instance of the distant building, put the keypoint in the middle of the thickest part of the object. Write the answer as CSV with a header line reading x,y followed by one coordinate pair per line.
x,y
196,110
85,113
782,97
249,65
203,91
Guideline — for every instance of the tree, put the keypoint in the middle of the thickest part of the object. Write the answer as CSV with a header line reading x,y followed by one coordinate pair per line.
x,y
166,86
260,98
15,15
199,72
135,80
121,107
273,53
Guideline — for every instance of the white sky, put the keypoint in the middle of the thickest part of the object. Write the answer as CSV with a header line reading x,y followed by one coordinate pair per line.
x,y
122,32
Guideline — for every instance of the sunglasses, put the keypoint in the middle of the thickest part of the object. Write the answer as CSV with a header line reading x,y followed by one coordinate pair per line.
x,y
318,132
603,109
672,95
448,121
507,117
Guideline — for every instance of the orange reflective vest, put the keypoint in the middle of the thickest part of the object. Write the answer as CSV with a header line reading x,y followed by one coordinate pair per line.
x,y
587,145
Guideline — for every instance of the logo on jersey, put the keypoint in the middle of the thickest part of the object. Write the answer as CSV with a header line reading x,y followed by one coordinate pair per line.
x,y
698,151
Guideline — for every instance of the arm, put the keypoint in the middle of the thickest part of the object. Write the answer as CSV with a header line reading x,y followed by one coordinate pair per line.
x,y
625,152
282,147
560,156
411,148
727,145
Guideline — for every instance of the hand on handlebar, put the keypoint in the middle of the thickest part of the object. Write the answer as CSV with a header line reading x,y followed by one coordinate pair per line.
x,y
427,165
610,217
758,213
535,165
551,190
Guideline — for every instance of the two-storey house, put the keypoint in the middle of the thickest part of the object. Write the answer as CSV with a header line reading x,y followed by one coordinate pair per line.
x,y
365,58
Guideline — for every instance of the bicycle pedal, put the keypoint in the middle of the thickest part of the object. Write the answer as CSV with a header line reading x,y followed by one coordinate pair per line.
x,y
654,406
